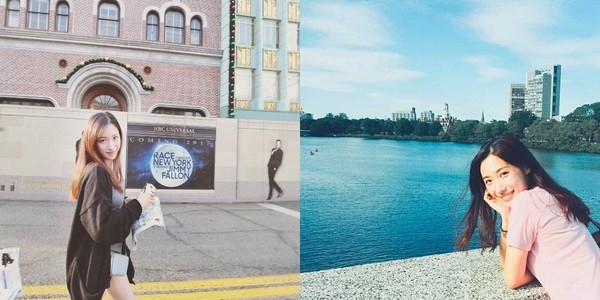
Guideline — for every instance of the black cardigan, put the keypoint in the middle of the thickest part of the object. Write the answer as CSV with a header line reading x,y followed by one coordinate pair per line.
x,y
97,224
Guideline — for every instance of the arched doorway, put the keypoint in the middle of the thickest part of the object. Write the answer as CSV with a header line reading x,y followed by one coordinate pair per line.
x,y
104,97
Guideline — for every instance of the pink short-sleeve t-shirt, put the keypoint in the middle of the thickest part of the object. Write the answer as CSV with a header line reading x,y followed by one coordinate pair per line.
x,y
562,254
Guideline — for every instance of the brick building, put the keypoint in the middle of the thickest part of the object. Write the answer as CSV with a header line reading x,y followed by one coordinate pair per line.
x,y
137,56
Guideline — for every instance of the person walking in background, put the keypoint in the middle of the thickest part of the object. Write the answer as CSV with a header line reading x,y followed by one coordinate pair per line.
x,y
103,217
77,146
544,232
273,166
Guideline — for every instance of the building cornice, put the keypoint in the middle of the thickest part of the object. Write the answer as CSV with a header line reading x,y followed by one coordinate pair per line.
x,y
94,46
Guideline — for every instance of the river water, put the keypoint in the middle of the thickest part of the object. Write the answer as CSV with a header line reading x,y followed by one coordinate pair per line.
x,y
365,201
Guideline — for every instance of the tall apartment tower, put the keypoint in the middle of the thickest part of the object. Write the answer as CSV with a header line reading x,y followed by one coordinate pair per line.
x,y
266,59
542,92
516,98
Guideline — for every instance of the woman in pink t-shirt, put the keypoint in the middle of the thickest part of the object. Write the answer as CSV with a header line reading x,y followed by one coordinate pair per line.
x,y
543,228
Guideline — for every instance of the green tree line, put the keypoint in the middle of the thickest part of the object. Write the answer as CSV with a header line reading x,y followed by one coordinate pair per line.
x,y
579,131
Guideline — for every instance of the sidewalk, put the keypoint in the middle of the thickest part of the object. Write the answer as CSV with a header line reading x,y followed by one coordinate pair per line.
x,y
202,241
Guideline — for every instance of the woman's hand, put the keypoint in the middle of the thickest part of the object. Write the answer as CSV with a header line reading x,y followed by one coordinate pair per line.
x,y
497,204
146,195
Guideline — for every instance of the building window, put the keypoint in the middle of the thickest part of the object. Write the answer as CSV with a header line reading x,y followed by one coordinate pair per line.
x,y
293,87
174,27
244,84
108,19
294,11
243,57
270,9
37,14
270,86
105,102
104,97
244,34
244,7
12,13
190,112
295,107
270,105
270,59
62,17
294,61
28,102
271,34
242,103
293,39
152,26
196,31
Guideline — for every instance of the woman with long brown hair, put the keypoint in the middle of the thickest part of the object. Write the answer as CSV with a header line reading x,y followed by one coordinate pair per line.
x,y
543,228
103,217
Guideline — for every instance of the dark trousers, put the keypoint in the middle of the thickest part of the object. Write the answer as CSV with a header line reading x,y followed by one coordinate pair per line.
x,y
272,183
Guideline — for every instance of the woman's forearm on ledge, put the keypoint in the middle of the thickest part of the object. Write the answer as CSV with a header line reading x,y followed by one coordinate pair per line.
x,y
514,265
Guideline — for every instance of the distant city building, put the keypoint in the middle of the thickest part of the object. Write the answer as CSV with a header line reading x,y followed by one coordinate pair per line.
x,y
409,115
267,60
427,116
542,92
445,118
306,116
516,98
445,111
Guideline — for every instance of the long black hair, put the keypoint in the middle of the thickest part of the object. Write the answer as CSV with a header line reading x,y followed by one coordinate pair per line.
x,y
512,151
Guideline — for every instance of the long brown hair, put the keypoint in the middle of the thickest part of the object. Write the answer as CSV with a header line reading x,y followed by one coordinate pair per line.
x,y
512,151
88,152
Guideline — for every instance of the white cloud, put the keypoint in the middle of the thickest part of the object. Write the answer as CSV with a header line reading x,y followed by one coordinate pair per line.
x,y
513,24
374,95
531,29
346,24
484,68
348,49
347,70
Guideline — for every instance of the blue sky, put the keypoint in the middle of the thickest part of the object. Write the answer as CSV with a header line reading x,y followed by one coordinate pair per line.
x,y
372,58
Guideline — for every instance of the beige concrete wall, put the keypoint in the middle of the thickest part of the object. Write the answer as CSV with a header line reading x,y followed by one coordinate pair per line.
x,y
256,139
37,154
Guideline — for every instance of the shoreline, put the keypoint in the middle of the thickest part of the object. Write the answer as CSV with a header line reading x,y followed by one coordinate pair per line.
x,y
569,148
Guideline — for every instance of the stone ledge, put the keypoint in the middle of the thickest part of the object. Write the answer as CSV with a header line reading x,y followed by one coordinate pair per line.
x,y
457,275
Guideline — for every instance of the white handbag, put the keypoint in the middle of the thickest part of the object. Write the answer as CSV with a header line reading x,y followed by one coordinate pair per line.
x,y
118,264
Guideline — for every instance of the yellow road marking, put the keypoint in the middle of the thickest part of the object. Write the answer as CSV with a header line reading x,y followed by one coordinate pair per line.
x,y
277,291
224,288
219,283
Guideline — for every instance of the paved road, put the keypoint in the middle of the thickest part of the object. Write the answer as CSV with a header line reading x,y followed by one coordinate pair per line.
x,y
209,250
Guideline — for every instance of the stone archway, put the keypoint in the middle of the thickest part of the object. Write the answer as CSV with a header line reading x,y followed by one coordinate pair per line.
x,y
126,86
